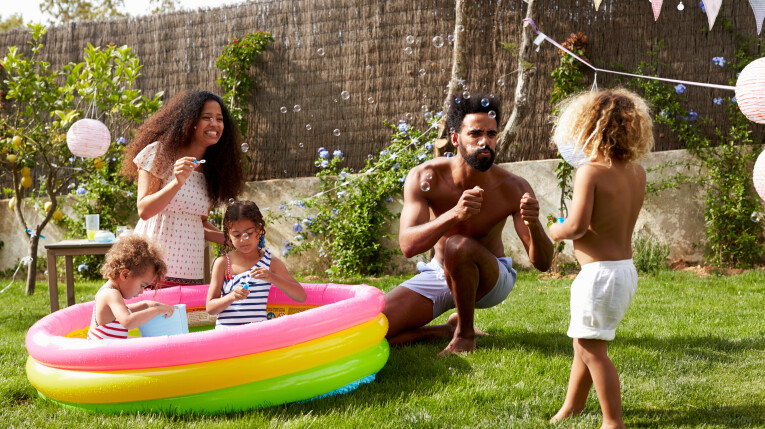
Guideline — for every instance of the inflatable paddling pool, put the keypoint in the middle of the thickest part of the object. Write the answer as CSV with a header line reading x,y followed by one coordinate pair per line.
x,y
333,342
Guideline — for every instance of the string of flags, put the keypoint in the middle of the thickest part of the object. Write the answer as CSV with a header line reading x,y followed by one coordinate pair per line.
x,y
710,7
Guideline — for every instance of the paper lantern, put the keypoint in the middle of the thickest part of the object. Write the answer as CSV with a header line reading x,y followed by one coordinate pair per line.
x,y
759,175
750,91
88,138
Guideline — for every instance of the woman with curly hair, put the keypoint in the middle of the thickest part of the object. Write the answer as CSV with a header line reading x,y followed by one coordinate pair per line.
x,y
186,159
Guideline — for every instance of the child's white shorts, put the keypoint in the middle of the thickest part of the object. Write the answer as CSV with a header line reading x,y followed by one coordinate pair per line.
x,y
600,295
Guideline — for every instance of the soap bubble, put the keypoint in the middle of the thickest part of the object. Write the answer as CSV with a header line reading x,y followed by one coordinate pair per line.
x,y
408,50
492,114
460,28
371,100
425,186
345,95
450,38
428,175
424,108
409,117
485,102
231,201
428,116
301,144
501,82
410,39
452,130
438,41
465,94
296,108
422,72
336,132
285,171
245,147
370,157
457,100
308,127
522,99
245,236
755,217
283,109
320,52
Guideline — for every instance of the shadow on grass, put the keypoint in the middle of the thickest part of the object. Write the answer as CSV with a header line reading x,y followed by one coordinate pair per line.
x,y
719,416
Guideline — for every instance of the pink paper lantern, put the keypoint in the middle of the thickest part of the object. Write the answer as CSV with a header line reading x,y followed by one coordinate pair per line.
x,y
758,176
750,91
88,138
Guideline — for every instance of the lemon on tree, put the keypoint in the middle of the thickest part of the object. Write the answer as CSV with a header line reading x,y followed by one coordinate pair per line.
x,y
47,206
11,158
25,171
98,163
26,181
16,141
12,203
58,215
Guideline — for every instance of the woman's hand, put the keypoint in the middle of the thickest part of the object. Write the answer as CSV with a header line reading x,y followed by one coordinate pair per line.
x,y
182,169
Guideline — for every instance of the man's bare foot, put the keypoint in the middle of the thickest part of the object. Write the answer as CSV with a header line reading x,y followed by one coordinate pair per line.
x,y
459,345
455,318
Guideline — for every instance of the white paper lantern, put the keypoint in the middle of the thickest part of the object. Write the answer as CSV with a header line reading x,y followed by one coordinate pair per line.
x,y
88,138
750,91
759,175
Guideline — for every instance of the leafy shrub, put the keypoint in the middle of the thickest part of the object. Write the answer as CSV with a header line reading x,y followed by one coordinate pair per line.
x,y
649,253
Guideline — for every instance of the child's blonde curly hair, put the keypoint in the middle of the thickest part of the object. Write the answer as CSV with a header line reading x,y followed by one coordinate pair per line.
x,y
136,254
613,122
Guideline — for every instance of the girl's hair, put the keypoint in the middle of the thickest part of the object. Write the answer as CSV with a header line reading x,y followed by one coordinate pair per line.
x,y
135,253
241,210
613,122
173,127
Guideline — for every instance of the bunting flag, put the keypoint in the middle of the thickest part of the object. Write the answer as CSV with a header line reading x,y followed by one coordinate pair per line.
x,y
713,8
758,6
656,5
597,4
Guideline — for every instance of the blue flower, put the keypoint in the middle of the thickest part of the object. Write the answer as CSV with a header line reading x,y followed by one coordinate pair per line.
x,y
701,5
734,100
321,149
401,180
720,61
335,212
680,88
389,200
72,158
121,140
282,206
301,203
287,246
308,221
691,115
296,227
422,156
82,268
338,153
403,127
285,253
738,74
325,163
383,152
298,238
717,100
428,146
341,193
81,191
324,154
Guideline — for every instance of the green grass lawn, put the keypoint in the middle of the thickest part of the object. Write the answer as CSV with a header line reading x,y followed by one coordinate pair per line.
x,y
690,353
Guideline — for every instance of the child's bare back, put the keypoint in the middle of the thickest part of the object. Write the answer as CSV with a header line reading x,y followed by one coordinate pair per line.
x,y
615,194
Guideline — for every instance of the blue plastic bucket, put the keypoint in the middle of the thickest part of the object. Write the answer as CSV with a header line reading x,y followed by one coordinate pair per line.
x,y
173,325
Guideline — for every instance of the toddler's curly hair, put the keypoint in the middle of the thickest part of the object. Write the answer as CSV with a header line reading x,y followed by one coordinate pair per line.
x,y
613,122
137,254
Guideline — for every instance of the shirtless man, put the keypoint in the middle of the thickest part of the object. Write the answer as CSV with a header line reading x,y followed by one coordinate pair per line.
x,y
461,214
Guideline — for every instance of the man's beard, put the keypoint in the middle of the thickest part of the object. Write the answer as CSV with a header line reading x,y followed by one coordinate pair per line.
x,y
473,161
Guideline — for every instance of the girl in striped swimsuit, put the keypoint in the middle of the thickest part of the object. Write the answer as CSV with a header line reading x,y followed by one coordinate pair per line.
x,y
132,265
241,279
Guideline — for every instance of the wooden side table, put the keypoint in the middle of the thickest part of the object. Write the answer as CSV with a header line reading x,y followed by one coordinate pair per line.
x,y
67,249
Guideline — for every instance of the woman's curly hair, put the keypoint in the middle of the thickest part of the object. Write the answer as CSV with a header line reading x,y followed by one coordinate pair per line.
x,y
241,210
135,253
613,122
173,127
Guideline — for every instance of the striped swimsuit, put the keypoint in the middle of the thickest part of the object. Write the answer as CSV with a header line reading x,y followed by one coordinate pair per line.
x,y
252,308
108,331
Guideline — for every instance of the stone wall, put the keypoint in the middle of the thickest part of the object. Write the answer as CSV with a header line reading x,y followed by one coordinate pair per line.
x,y
676,216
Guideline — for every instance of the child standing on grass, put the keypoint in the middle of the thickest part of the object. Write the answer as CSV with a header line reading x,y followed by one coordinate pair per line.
x,y
242,279
613,128
132,265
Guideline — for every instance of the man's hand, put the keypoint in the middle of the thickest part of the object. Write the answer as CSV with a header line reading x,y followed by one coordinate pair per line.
x,y
529,210
469,203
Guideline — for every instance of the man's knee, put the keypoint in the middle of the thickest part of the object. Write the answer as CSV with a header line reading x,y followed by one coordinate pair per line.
x,y
458,247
